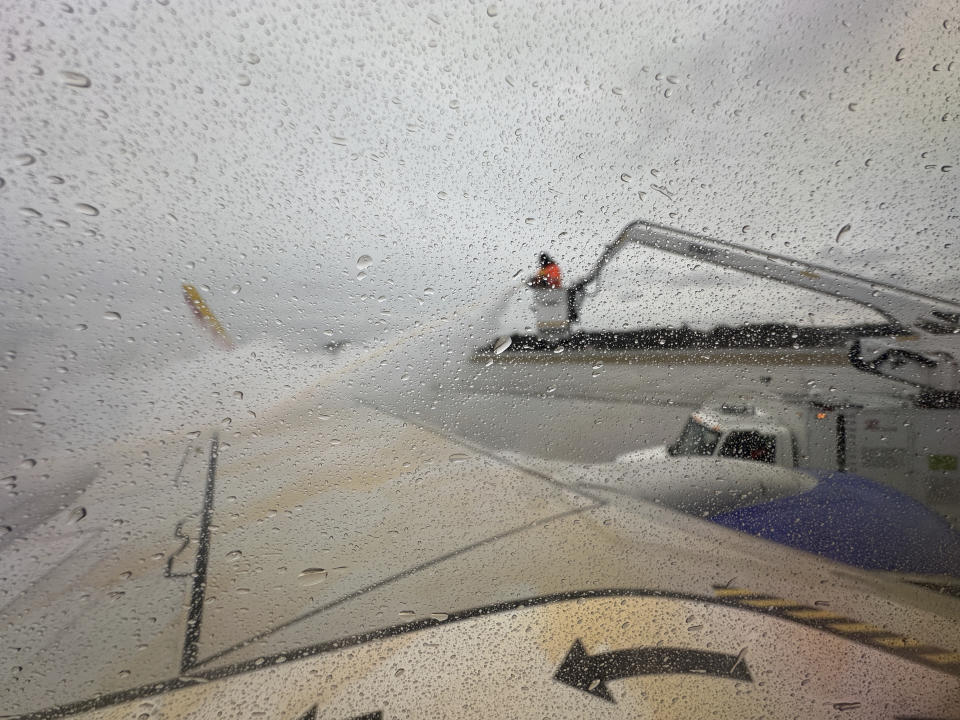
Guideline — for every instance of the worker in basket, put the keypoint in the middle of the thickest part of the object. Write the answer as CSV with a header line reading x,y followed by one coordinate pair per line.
x,y
548,276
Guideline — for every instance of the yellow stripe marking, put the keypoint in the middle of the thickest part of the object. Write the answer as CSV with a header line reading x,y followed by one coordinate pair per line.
x,y
854,627
769,602
897,642
814,615
943,658
733,592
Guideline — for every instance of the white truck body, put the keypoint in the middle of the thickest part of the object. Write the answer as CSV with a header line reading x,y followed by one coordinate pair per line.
x,y
886,439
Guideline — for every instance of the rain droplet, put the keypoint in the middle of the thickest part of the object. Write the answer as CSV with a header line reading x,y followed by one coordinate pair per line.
x,y
19,412
617,91
2,182
841,706
312,576
244,80
899,55
28,463
24,159
111,315
852,107
253,58
672,79
361,275
406,613
455,104
234,554
844,229
439,616
75,79
428,291
502,344
529,220
458,458
235,289
492,11
626,177
86,209
237,395
77,514
56,179
80,326
442,195
30,212
363,262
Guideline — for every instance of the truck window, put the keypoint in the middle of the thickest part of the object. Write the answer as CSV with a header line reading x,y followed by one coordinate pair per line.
x,y
750,445
695,440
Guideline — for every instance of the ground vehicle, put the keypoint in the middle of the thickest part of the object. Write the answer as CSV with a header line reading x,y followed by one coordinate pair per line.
x,y
925,354
887,439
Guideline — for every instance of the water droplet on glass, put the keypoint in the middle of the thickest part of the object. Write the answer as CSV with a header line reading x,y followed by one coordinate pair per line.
x,y
455,104
75,79
428,291
19,412
2,182
80,326
439,616
458,458
253,58
86,209
361,275
24,159
111,315
234,554
244,80
235,289
363,262
77,514
30,212
841,706
442,195
28,463
626,177
492,11
406,613
844,229
852,106
312,576
617,91
56,179
529,220
502,344
899,55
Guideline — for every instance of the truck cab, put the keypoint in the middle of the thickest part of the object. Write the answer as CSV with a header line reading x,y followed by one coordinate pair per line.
x,y
736,432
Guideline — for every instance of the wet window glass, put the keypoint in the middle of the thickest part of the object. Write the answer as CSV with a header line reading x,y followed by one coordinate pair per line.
x,y
695,439
750,445
482,358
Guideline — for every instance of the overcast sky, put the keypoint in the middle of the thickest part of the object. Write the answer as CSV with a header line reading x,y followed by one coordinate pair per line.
x,y
257,151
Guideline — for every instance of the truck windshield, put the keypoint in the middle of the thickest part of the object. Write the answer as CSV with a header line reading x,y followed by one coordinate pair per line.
x,y
695,439
750,445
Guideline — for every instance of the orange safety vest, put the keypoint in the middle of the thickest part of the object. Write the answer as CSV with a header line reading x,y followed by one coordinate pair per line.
x,y
551,275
